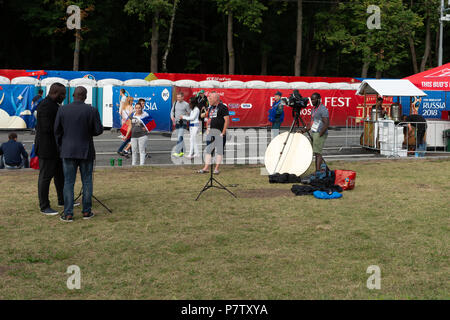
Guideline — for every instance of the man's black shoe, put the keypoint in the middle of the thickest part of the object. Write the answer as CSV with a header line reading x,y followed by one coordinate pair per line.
x,y
66,218
49,212
88,215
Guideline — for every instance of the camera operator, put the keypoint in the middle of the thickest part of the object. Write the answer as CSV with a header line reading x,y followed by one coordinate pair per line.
x,y
318,127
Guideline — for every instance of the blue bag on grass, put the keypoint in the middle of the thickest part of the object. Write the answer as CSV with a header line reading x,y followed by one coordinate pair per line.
x,y
325,195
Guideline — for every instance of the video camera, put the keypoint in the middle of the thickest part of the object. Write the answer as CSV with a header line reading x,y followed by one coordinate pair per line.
x,y
297,102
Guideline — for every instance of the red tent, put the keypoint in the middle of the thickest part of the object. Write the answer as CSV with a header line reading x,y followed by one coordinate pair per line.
x,y
434,79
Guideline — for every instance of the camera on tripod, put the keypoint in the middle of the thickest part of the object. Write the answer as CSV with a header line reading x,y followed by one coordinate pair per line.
x,y
297,102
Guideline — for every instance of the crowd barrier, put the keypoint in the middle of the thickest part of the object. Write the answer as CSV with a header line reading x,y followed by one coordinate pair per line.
x,y
398,139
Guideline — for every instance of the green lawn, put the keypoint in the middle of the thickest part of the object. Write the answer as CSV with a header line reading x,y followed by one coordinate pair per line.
x,y
267,244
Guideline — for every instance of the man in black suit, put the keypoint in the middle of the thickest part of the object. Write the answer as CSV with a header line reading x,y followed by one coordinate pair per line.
x,y
75,126
50,165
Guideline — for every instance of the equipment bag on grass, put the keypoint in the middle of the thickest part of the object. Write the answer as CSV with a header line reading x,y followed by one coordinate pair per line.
x,y
345,179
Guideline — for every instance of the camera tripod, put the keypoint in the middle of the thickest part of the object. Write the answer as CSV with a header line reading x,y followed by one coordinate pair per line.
x,y
296,124
93,196
209,184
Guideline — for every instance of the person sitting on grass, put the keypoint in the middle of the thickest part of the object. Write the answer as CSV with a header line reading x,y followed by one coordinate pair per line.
x,y
13,154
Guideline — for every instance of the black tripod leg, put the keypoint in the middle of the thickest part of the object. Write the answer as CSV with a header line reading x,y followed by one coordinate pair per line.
x,y
81,192
224,188
206,187
104,206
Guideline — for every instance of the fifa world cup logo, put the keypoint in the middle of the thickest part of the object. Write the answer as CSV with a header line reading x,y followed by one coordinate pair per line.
x,y
415,105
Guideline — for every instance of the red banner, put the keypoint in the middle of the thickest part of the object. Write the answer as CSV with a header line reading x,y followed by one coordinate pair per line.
x,y
11,74
229,77
250,107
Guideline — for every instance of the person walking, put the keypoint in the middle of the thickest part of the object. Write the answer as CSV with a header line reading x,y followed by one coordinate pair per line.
x,y
126,109
75,126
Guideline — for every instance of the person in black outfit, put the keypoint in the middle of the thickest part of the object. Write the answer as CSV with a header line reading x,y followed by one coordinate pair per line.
x,y
13,154
419,123
202,103
45,147
218,121
75,126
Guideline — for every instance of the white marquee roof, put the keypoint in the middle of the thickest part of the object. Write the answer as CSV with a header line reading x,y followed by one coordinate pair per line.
x,y
392,88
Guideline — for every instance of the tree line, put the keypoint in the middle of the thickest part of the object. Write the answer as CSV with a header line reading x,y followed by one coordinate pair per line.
x,y
266,37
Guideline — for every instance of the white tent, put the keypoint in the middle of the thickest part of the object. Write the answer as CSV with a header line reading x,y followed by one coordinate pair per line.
x,y
392,88
299,85
233,84
256,84
25,80
355,86
186,83
47,82
278,85
210,84
82,82
4,80
341,86
136,83
109,82
161,82
320,85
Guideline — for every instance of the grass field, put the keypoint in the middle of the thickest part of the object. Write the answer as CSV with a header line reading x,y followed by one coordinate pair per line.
x,y
267,244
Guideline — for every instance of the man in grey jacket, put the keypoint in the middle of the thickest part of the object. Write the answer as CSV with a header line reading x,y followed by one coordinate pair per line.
x,y
179,108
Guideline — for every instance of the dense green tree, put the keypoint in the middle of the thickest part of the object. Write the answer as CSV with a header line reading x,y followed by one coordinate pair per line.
x,y
383,47
247,12
122,35
157,11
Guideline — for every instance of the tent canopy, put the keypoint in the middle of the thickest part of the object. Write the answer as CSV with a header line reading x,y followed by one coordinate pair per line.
x,y
434,79
392,88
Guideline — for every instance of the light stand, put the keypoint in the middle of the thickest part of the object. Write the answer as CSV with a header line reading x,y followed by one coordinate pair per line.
x,y
104,206
209,184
